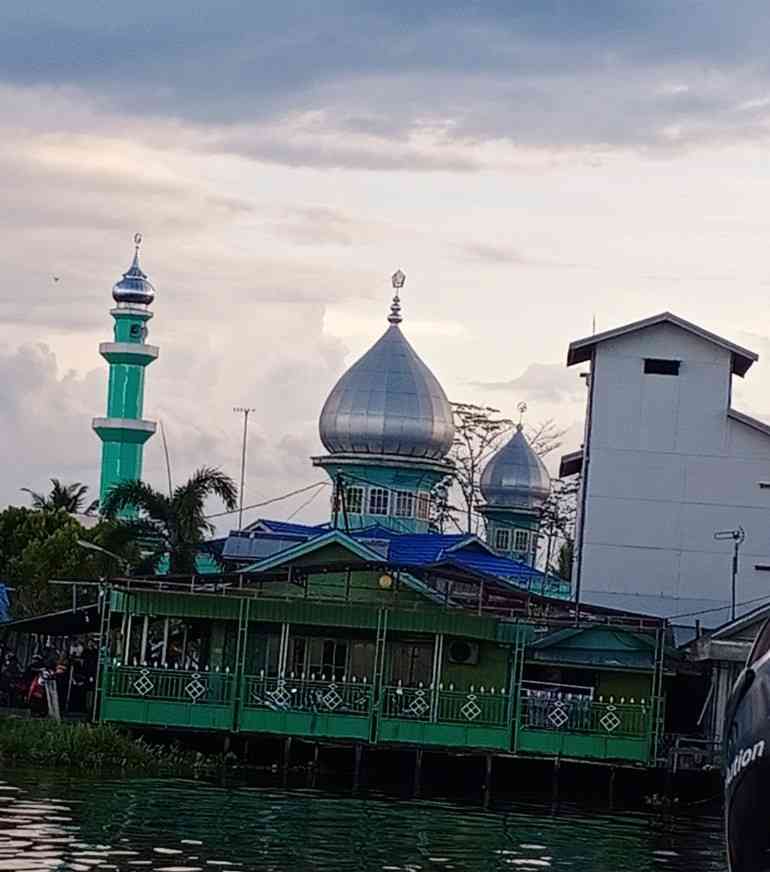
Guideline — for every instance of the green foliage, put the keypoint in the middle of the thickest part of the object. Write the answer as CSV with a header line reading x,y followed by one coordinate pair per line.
x,y
36,546
70,497
90,746
167,525
566,557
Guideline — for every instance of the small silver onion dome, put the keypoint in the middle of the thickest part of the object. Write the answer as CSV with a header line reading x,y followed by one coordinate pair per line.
x,y
388,402
515,477
134,288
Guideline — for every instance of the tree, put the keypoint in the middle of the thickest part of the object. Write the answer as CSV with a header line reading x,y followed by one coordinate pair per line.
x,y
173,526
478,433
69,497
566,555
36,546
557,526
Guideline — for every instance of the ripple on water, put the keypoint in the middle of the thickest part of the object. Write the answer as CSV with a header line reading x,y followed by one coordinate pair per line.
x,y
79,824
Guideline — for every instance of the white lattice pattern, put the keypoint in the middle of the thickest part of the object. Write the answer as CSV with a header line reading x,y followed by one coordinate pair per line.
x,y
280,696
143,685
471,710
419,705
332,699
558,715
610,720
195,688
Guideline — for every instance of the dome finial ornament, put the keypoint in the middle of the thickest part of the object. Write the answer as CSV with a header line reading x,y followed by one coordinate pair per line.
x,y
134,288
521,408
397,279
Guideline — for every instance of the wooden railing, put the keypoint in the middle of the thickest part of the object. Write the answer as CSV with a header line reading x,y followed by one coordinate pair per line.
x,y
171,685
313,693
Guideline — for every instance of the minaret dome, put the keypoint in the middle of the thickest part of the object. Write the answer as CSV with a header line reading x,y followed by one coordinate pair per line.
x,y
134,288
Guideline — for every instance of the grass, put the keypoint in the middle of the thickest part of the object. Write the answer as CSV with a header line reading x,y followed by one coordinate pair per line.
x,y
91,746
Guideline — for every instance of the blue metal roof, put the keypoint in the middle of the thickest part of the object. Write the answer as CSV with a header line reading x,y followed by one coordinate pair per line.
x,y
308,530
418,550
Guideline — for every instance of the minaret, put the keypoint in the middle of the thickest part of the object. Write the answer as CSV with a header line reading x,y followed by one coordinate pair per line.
x,y
123,432
387,426
515,485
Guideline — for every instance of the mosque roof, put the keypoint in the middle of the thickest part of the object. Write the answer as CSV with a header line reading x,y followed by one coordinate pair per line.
x,y
134,288
515,477
388,402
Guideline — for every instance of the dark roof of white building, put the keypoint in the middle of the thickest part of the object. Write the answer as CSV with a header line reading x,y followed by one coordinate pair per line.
x,y
582,349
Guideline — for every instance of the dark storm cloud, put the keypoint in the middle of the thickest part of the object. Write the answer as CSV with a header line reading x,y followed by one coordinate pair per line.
x,y
547,73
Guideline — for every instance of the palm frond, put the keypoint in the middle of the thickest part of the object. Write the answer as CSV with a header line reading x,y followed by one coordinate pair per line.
x,y
137,494
209,480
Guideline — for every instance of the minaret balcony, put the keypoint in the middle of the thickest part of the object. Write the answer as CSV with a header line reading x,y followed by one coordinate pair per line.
x,y
130,430
131,353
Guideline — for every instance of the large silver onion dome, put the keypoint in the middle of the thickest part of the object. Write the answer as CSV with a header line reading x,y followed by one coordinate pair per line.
x,y
388,402
134,288
515,476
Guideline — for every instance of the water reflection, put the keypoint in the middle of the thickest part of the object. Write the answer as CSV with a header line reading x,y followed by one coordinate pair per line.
x,y
52,821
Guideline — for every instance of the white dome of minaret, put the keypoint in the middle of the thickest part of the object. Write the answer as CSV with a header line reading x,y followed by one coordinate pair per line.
x,y
388,402
515,477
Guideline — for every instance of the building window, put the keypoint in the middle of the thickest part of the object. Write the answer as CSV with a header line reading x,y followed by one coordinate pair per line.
x,y
657,366
423,507
354,500
502,540
521,540
404,504
378,501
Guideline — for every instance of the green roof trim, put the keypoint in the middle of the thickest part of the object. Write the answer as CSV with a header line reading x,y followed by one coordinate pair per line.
x,y
302,549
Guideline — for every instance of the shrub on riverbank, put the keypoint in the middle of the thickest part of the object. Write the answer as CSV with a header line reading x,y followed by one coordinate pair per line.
x,y
89,746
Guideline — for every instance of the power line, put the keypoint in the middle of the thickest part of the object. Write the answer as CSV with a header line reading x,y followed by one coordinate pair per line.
x,y
720,608
293,493
308,501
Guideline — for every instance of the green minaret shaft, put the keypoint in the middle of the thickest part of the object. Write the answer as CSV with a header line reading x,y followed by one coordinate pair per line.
x,y
123,432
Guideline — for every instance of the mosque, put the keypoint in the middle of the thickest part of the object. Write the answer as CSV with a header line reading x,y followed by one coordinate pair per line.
x,y
387,427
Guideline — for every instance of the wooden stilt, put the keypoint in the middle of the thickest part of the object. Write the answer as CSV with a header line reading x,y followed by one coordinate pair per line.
x,y
488,780
226,744
417,784
359,751
611,797
286,754
555,781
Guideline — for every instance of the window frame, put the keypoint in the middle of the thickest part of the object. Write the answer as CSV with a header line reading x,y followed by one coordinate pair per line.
x,y
505,534
525,534
422,507
378,502
401,497
350,504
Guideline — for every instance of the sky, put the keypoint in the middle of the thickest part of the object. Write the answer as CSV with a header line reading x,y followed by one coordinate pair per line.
x,y
532,167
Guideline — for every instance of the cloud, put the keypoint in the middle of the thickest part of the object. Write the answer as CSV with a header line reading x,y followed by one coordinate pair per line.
x,y
391,87
543,382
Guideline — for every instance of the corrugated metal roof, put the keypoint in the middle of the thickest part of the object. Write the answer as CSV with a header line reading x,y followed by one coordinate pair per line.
x,y
402,549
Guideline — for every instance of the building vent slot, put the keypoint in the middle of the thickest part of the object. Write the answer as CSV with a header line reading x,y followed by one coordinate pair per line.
x,y
657,366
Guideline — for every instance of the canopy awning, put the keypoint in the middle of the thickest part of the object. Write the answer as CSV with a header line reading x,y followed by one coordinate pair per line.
x,y
68,622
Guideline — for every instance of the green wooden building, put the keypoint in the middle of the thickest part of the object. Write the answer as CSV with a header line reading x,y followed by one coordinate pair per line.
x,y
330,641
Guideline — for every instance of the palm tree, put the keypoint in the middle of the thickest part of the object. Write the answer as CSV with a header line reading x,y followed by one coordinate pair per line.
x,y
173,526
69,497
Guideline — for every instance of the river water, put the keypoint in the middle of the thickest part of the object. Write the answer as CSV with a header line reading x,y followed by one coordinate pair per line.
x,y
59,821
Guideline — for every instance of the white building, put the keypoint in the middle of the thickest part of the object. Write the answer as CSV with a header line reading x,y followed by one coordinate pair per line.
x,y
666,462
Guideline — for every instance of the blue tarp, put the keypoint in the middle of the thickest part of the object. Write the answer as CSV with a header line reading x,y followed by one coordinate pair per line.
x,y
5,603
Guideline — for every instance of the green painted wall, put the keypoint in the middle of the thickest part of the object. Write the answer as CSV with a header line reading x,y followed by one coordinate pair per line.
x,y
624,685
490,671
391,476
122,448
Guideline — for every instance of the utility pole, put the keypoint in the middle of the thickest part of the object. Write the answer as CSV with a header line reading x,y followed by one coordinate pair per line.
x,y
738,537
245,411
